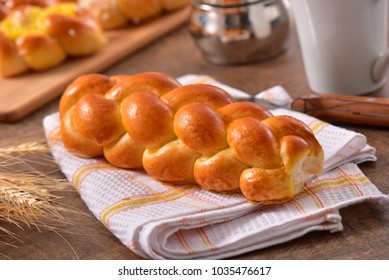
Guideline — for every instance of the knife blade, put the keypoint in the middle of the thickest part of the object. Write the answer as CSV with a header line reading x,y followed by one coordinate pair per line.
x,y
365,110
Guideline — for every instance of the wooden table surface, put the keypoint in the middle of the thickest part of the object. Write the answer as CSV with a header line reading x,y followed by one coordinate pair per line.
x,y
366,225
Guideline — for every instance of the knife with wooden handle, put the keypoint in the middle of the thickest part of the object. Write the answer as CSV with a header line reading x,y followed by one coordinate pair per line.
x,y
365,110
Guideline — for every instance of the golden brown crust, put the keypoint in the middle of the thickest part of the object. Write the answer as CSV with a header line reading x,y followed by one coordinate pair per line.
x,y
157,83
241,110
86,84
113,14
200,128
11,62
44,37
207,94
266,185
137,11
287,125
40,51
219,173
98,119
162,163
3,11
143,109
180,134
78,36
75,142
106,12
171,5
124,153
253,143
12,4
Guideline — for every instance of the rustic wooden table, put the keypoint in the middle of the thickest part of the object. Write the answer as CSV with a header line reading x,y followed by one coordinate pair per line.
x,y
366,225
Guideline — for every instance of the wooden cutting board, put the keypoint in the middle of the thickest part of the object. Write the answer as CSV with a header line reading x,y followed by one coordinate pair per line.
x,y
22,95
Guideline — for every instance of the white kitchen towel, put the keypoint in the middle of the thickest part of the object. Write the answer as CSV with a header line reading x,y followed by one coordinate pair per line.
x,y
163,221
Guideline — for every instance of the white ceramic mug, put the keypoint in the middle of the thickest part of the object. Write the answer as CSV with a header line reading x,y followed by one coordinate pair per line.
x,y
343,43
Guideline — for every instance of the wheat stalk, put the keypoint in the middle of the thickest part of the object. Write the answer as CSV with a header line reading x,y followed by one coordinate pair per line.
x,y
11,154
20,199
27,198
28,147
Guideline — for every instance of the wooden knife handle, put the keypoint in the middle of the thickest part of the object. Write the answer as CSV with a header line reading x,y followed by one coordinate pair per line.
x,y
347,109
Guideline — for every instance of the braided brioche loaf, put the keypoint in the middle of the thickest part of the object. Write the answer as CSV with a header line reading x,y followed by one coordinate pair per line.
x,y
38,38
189,134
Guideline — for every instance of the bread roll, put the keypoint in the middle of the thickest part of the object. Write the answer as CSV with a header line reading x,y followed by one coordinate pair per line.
x,y
40,51
3,11
40,38
107,12
6,6
189,134
11,63
113,14
171,5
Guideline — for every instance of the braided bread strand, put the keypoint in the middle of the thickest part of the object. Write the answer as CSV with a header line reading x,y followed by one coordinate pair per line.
x,y
189,134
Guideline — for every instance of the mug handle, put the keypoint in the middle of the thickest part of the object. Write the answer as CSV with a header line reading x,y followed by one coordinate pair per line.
x,y
380,67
